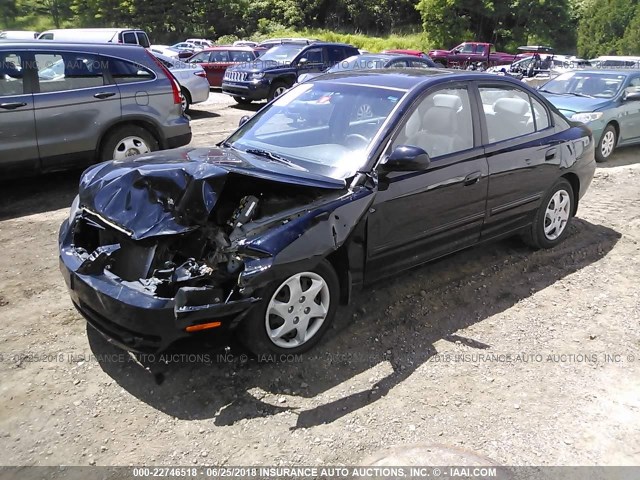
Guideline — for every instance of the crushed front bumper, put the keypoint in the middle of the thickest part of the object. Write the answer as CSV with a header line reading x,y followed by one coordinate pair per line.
x,y
133,319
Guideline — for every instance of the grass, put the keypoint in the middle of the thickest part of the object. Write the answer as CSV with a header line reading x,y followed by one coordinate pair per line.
x,y
413,41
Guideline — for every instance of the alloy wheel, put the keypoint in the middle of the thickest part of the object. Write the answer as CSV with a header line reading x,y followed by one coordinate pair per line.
x,y
557,214
608,143
297,310
129,146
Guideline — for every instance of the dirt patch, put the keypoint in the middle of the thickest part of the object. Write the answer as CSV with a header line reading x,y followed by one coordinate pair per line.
x,y
524,357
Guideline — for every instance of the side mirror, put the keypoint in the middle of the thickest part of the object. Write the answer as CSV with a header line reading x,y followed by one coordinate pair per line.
x,y
303,61
632,96
243,119
406,158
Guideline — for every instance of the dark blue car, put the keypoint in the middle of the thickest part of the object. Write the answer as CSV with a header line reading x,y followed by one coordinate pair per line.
x,y
268,233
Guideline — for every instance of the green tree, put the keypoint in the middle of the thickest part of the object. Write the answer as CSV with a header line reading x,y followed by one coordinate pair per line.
x,y
603,26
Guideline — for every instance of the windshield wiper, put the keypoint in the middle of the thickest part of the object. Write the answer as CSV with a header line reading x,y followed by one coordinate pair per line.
x,y
578,94
273,157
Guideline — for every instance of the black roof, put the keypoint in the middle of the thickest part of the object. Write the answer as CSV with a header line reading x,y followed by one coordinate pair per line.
x,y
409,78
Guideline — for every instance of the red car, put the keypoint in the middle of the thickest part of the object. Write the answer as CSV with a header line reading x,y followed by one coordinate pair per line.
x,y
216,60
471,52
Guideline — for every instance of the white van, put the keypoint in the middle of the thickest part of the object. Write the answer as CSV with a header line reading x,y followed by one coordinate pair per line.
x,y
97,35
18,35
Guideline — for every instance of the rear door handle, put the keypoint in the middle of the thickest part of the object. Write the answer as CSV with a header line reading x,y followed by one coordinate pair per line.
x,y
551,154
12,105
472,178
103,95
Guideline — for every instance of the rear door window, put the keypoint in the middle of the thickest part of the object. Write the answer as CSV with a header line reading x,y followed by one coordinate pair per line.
x,y
220,56
335,54
507,112
127,72
62,71
142,39
11,74
129,37
241,56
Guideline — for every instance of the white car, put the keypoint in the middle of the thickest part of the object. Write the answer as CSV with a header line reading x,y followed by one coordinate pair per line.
x,y
164,50
191,77
201,42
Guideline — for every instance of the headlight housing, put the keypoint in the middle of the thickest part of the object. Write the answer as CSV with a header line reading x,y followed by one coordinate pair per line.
x,y
586,117
75,208
256,76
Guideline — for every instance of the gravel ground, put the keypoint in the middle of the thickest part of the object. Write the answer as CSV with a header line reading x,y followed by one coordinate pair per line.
x,y
528,358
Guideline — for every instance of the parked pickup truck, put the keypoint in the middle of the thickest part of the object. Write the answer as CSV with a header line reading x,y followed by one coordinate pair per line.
x,y
470,53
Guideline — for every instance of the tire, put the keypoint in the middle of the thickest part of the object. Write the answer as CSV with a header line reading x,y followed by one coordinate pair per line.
x,y
556,207
126,141
607,144
277,89
243,100
259,331
186,100
440,65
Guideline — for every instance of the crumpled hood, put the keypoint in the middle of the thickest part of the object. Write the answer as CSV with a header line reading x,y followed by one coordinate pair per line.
x,y
175,191
570,104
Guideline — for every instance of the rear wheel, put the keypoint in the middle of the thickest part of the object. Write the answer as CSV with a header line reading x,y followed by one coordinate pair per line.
x,y
607,144
277,89
127,141
186,100
294,312
551,222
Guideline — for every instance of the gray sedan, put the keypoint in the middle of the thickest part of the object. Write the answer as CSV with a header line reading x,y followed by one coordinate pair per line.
x,y
192,79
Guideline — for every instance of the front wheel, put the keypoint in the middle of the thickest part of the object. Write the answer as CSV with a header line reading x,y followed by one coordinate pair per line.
x,y
551,222
277,89
294,312
607,144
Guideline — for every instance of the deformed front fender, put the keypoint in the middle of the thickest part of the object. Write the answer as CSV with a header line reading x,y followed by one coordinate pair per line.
x,y
301,242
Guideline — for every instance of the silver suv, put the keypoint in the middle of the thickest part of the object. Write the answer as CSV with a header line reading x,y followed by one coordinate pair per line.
x,y
64,105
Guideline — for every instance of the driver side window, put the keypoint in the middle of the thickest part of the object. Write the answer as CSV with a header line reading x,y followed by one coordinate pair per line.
x,y
441,124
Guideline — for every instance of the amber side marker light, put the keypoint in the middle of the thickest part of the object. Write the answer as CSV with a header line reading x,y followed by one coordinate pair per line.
x,y
203,326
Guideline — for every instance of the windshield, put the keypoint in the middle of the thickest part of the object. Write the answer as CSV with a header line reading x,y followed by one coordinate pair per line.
x,y
282,53
320,127
358,62
590,84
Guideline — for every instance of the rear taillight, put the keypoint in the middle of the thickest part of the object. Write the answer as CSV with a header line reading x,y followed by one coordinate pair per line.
x,y
200,73
175,86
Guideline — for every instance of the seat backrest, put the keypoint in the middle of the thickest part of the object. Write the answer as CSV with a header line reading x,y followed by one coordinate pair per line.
x,y
511,118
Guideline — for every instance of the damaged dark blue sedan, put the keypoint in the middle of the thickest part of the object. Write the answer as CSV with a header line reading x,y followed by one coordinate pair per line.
x,y
341,181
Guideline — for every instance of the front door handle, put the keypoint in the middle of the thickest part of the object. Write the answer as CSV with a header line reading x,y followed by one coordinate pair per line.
x,y
550,155
472,178
12,105
103,95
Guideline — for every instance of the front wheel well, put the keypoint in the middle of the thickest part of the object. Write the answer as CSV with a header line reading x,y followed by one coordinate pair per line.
x,y
339,260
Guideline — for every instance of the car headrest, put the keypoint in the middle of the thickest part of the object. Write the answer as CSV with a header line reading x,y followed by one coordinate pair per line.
x,y
511,106
439,120
447,100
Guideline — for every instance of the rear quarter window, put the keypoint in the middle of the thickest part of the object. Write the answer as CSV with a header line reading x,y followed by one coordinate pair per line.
x,y
123,71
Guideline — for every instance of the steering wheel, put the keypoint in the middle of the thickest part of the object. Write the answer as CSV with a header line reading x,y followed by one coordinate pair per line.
x,y
353,139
